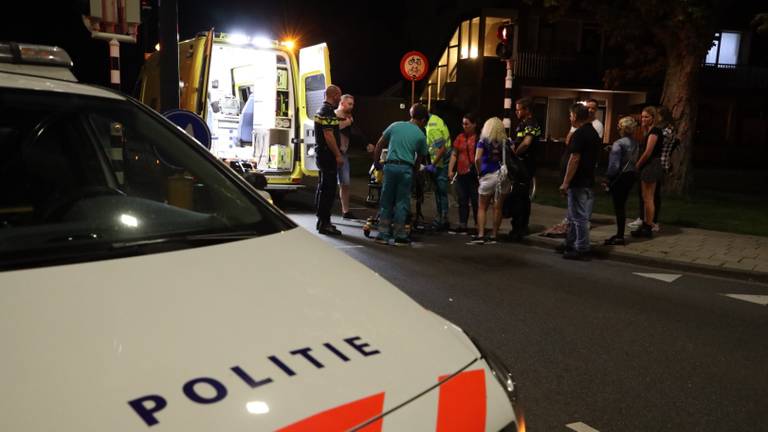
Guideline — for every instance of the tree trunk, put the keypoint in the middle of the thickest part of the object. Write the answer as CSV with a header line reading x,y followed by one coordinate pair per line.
x,y
680,96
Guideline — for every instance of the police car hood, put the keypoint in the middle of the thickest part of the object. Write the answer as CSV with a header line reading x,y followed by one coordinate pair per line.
x,y
248,335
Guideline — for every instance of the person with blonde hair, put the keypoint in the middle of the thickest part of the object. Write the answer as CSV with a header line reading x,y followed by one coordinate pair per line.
x,y
489,158
649,166
621,175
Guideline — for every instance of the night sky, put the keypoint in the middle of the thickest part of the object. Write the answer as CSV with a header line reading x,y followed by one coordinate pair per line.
x,y
366,39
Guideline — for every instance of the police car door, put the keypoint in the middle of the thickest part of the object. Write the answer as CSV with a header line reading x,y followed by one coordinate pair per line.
x,y
315,76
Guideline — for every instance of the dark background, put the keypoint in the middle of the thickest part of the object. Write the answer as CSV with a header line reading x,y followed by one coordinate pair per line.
x,y
366,39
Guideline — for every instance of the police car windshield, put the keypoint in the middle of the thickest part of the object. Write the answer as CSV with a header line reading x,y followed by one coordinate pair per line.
x,y
82,174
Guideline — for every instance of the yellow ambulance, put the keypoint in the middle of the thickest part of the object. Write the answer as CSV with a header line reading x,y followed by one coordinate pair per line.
x,y
257,97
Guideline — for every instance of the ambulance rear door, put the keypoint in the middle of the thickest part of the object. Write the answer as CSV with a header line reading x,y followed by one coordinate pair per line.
x,y
201,100
314,76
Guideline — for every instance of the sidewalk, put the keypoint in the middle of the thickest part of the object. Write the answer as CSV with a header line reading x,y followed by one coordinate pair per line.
x,y
690,249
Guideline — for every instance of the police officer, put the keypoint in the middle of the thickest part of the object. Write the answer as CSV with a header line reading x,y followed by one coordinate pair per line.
x,y
527,135
439,145
405,140
329,159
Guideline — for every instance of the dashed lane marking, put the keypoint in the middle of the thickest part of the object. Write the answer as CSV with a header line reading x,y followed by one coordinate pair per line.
x,y
581,427
752,298
664,277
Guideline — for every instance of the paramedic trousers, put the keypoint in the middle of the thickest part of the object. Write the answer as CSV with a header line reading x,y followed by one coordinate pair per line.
x,y
580,202
441,194
326,187
395,201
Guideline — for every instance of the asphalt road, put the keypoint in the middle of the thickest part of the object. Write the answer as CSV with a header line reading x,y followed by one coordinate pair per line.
x,y
593,345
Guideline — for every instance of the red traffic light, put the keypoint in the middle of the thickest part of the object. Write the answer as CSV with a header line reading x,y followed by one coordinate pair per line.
x,y
504,32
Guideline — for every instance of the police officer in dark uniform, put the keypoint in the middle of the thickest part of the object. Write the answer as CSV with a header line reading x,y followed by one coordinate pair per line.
x,y
527,136
329,159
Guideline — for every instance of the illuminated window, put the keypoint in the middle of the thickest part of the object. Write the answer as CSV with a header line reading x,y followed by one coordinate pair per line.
x,y
464,48
725,50
474,39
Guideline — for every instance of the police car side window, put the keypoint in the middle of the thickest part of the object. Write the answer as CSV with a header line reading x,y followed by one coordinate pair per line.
x,y
81,172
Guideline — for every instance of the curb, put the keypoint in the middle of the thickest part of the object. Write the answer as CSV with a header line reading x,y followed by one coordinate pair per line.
x,y
602,252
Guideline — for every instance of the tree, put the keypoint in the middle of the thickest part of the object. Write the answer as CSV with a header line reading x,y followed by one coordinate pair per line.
x,y
667,36
684,29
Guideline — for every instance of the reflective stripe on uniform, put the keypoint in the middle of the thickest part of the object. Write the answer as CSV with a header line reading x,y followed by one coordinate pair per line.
x,y
327,121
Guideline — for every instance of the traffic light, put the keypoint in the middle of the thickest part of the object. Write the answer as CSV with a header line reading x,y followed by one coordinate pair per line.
x,y
506,35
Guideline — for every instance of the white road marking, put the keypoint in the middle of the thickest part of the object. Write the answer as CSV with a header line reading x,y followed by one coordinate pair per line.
x,y
664,277
581,427
752,298
350,247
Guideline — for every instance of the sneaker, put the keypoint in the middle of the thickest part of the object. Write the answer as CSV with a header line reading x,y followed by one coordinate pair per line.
x,y
614,241
645,231
490,240
402,242
329,230
476,240
349,215
635,224
656,227
562,248
576,255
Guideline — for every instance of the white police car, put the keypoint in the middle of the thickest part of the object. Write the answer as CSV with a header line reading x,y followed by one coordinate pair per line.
x,y
145,286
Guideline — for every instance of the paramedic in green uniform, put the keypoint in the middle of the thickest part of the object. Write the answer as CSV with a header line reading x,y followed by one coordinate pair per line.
x,y
405,140
439,144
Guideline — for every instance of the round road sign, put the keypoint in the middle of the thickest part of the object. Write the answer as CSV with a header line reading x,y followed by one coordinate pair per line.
x,y
192,124
414,66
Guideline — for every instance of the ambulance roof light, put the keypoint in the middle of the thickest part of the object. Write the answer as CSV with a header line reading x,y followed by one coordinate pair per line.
x,y
238,39
290,44
262,42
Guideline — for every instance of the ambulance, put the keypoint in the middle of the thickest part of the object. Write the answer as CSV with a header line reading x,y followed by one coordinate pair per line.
x,y
257,97
130,302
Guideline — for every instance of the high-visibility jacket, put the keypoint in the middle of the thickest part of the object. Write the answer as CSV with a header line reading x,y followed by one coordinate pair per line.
x,y
438,136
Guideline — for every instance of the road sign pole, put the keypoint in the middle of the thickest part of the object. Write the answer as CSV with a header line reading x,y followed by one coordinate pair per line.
x,y
169,56
413,92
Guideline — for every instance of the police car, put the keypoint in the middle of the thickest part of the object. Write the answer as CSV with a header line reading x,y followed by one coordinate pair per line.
x,y
144,285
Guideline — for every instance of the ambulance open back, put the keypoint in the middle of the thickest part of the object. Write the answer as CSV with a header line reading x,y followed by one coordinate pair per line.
x,y
257,98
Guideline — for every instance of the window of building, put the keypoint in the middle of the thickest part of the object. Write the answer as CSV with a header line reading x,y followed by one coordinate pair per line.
x,y
464,36
474,38
725,50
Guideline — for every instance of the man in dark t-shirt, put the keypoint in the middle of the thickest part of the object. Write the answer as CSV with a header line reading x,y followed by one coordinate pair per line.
x,y
329,159
578,181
